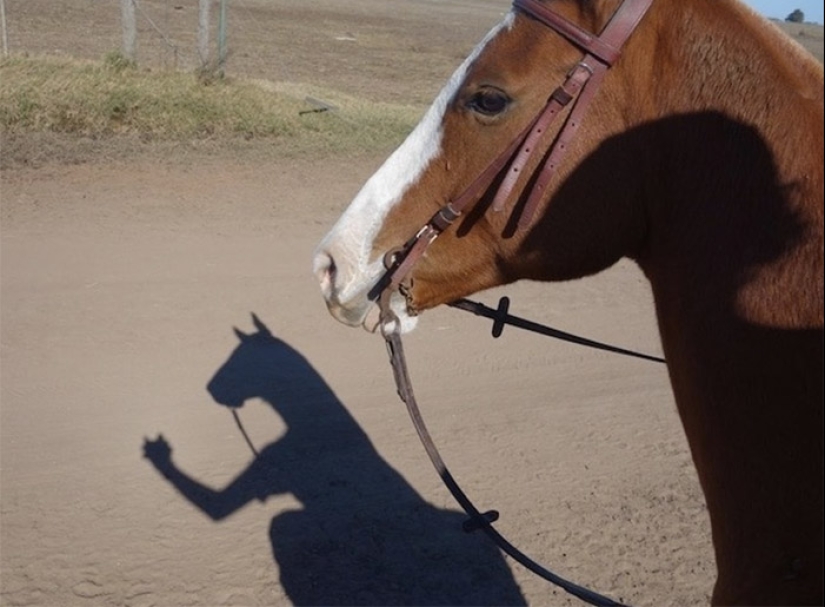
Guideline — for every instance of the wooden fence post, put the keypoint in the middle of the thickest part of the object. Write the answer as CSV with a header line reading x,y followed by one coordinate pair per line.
x,y
3,27
222,35
129,28
203,32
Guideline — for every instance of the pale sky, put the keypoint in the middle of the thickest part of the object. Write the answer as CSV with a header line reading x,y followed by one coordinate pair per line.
x,y
782,8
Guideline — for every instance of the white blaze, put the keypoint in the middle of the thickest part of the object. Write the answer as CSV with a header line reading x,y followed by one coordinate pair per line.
x,y
342,259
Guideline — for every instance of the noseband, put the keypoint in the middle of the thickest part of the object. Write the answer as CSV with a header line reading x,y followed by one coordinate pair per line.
x,y
579,89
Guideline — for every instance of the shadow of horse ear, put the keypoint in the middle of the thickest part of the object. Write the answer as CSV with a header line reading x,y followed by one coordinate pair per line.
x,y
260,326
363,535
263,330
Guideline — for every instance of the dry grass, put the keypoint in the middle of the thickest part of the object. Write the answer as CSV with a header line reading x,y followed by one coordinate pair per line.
x,y
95,100
111,99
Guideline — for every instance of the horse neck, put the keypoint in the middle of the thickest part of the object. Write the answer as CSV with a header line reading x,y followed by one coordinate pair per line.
x,y
305,402
735,261
734,115
723,56
265,368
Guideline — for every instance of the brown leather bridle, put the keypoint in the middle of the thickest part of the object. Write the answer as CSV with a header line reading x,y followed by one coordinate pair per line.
x,y
579,88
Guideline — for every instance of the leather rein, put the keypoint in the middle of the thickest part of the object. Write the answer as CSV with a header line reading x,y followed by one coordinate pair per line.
x,y
578,89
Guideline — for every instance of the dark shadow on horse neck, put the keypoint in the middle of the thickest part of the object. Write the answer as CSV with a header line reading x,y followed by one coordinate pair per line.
x,y
733,252
363,536
685,188
734,255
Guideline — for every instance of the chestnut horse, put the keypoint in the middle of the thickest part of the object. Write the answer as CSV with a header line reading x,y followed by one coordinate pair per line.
x,y
701,158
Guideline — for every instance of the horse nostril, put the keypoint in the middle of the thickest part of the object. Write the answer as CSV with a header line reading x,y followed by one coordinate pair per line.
x,y
325,271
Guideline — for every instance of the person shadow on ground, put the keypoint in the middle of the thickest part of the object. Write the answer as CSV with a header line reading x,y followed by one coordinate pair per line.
x,y
364,536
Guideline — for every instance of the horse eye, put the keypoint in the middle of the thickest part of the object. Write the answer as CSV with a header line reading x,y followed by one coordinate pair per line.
x,y
489,102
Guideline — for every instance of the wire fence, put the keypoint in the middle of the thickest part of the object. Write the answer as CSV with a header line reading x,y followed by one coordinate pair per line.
x,y
252,38
385,50
159,34
278,40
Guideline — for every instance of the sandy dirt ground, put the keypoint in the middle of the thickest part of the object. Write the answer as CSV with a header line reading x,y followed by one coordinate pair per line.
x,y
122,289
144,302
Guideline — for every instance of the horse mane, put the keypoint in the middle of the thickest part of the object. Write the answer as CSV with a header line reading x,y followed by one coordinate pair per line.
x,y
766,49
790,51
733,54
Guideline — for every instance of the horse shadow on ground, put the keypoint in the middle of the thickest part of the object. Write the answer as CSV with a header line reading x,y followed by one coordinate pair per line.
x,y
364,535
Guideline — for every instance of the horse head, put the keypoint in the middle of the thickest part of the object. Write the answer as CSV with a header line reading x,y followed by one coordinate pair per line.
x,y
256,368
488,104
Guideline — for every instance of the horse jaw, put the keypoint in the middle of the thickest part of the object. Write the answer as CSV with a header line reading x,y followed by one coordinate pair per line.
x,y
345,262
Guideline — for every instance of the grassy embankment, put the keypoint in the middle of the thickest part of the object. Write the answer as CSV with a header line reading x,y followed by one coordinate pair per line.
x,y
60,107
